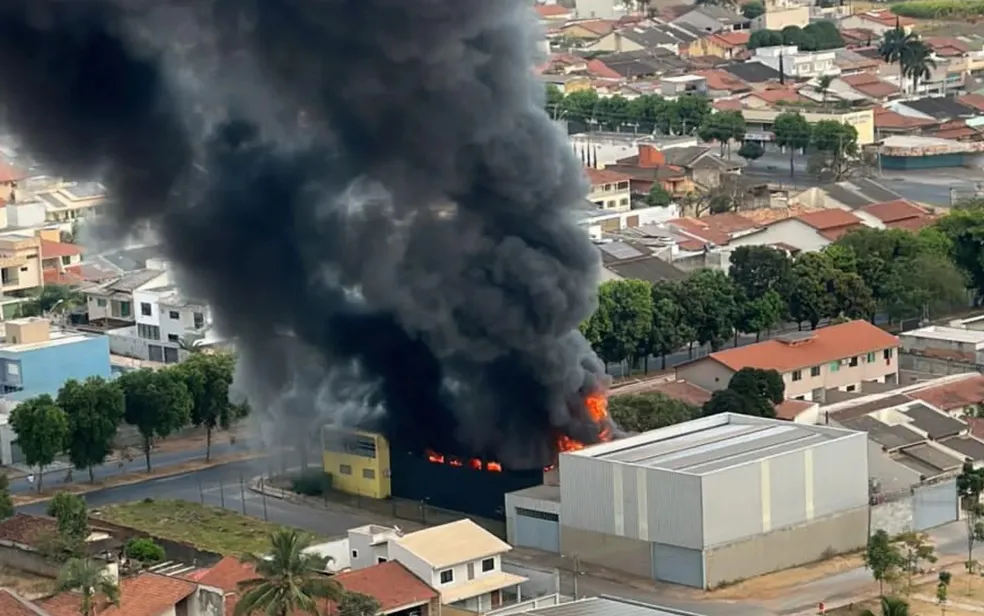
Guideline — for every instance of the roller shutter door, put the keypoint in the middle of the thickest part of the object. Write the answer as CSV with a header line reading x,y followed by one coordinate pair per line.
x,y
537,529
678,565
934,505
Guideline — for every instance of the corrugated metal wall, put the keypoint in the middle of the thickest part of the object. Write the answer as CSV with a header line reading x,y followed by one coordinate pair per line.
x,y
678,565
537,529
587,494
934,505
732,504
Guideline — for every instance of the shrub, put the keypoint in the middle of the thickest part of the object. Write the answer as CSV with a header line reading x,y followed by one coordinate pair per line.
x,y
935,9
310,483
144,550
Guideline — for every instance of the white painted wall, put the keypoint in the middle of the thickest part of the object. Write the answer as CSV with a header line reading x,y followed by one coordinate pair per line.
x,y
789,231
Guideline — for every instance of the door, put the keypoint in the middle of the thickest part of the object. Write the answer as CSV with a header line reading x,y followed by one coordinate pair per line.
x,y
537,529
934,505
678,565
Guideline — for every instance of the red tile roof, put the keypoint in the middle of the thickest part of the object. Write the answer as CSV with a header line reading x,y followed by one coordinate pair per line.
x,y
601,27
227,574
599,177
886,118
947,47
390,583
551,10
718,79
886,17
12,605
731,39
147,594
597,68
716,228
827,344
972,100
913,224
728,104
954,395
895,211
778,95
71,274
790,409
858,35
26,529
870,85
829,219
50,250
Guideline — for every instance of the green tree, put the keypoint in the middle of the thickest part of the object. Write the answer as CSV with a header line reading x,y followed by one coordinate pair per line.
x,y
288,579
207,378
751,151
658,196
94,409
792,132
41,429
757,270
882,558
970,486
688,113
823,87
916,549
6,501
612,112
579,106
72,515
723,127
836,144
853,297
943,590
751,391
764,38
895,48
918,63
144,550
710,306
964,228
358,604
91,580
753,9
810,289
670,330
649,411
155,402
53,298
761,314
890,606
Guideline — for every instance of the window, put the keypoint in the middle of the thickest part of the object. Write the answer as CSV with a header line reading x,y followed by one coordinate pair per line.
x,y
199,320
170,355
797,375
853,362
835,366
174,315
23,269
488,565
125,309
355,553
66,260
851,388
800,397
148,332
173,338
887,353
447,576
380,559
815,371
623,201
145,309
345,469
871,358
368,473
101,303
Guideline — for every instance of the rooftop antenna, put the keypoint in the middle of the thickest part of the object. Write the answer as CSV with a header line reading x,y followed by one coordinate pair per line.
x,y
782,71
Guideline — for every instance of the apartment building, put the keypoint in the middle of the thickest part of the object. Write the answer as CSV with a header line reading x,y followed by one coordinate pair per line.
x,y
20,264
796,63
837,357
609,189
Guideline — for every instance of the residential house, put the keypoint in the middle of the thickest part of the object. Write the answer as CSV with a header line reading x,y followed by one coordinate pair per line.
x,y
598,222
110,304
704,168
75,200
847,195
851,62
878,22
721,84
35,360
608,189
888,122
867,86
713,18
897,214
586,31
752,72
165,322
835,357
672,87
10,178
145,594
770,97
650,36
595,9
461,560
623,259
858,37
959,395
781,14
635,65
554,13
715,230
650,167
20,264
727,45
947,343
61,262
796,63
807,232
938,108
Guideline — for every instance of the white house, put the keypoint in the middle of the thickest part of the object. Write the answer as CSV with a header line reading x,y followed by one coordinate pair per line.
x,y
796,63
113,299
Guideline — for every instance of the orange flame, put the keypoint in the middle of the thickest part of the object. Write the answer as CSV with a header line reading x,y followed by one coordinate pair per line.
x,y
494,467
454,462
435,457
597,405
475,463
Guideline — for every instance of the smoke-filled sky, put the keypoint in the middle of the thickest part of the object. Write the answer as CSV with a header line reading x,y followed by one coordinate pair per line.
x,y
367,192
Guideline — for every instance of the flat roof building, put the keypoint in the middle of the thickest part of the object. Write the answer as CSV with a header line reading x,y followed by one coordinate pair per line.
x,y
715,499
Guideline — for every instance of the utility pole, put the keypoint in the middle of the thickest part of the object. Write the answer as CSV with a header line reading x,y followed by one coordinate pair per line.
x,y
577,574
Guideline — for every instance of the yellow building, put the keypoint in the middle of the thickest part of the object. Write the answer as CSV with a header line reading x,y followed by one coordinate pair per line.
x,y
862,120
358,462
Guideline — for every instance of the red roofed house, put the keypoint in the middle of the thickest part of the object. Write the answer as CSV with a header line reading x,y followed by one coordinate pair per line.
x,y
553,12
610,190
836,357
807,232
10,176
146,594
12,604
879,22
892,122
770,97
867,85
61,262
714,230
898,214
649,167
721,44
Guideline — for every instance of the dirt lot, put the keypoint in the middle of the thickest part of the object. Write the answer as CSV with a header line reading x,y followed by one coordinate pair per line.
x,y
916,608
774,584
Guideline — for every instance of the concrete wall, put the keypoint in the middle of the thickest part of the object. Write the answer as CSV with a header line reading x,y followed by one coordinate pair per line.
x,y
934,366
785,548
44,370
24,560
174,550
619,553
894,516
540,582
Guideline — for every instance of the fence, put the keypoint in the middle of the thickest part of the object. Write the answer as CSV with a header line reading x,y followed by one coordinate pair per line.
x,y
919,507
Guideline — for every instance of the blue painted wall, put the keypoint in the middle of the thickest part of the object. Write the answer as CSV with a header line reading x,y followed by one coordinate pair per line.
x,y
901,163
45,370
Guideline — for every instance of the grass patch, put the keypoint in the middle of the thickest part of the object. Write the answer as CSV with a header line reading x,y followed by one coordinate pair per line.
x,y
207,528
939,9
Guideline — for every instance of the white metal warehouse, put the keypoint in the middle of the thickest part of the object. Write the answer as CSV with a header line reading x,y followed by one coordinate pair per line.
x,y
716,499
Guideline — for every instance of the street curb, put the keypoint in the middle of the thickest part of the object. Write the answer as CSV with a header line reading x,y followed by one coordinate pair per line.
x,y
135,480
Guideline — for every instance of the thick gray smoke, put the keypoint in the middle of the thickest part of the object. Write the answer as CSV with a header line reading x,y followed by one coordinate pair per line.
x,y
402,257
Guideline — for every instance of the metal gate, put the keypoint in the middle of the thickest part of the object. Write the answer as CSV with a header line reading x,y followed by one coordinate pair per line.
x,y
934,505
537,529
678,565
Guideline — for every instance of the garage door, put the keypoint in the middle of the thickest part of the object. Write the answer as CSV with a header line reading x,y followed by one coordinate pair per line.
x,y
678,565
934,505
537,529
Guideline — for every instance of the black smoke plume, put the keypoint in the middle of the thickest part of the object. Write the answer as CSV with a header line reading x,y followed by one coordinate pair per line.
x,y
403,257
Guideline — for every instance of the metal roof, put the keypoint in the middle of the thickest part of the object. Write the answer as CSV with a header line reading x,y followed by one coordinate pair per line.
x,y
889,437
607,606
711,446
966,445
932,457
934,423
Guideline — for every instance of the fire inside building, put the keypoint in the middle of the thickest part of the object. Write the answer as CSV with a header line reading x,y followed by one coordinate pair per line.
x,y
368,464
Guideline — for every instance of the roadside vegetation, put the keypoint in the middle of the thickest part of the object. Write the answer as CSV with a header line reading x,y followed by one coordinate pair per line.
x,y
939,9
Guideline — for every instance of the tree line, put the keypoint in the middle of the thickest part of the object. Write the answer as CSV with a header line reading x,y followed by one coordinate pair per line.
x,y
817,36
83,419
866,272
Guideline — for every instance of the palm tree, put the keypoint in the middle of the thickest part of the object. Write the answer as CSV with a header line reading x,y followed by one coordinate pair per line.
x,y
288,579
823,86
918,63
894,48
90,579
890,606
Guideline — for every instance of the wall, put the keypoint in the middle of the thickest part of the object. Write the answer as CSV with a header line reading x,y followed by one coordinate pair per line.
x,y
539,582
792,232
24,560
45,370
368,470
892,514
618,553
777,19
863,121
935,366
788,547
706,373
25,214
175,550
844,375
125,341
514,500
